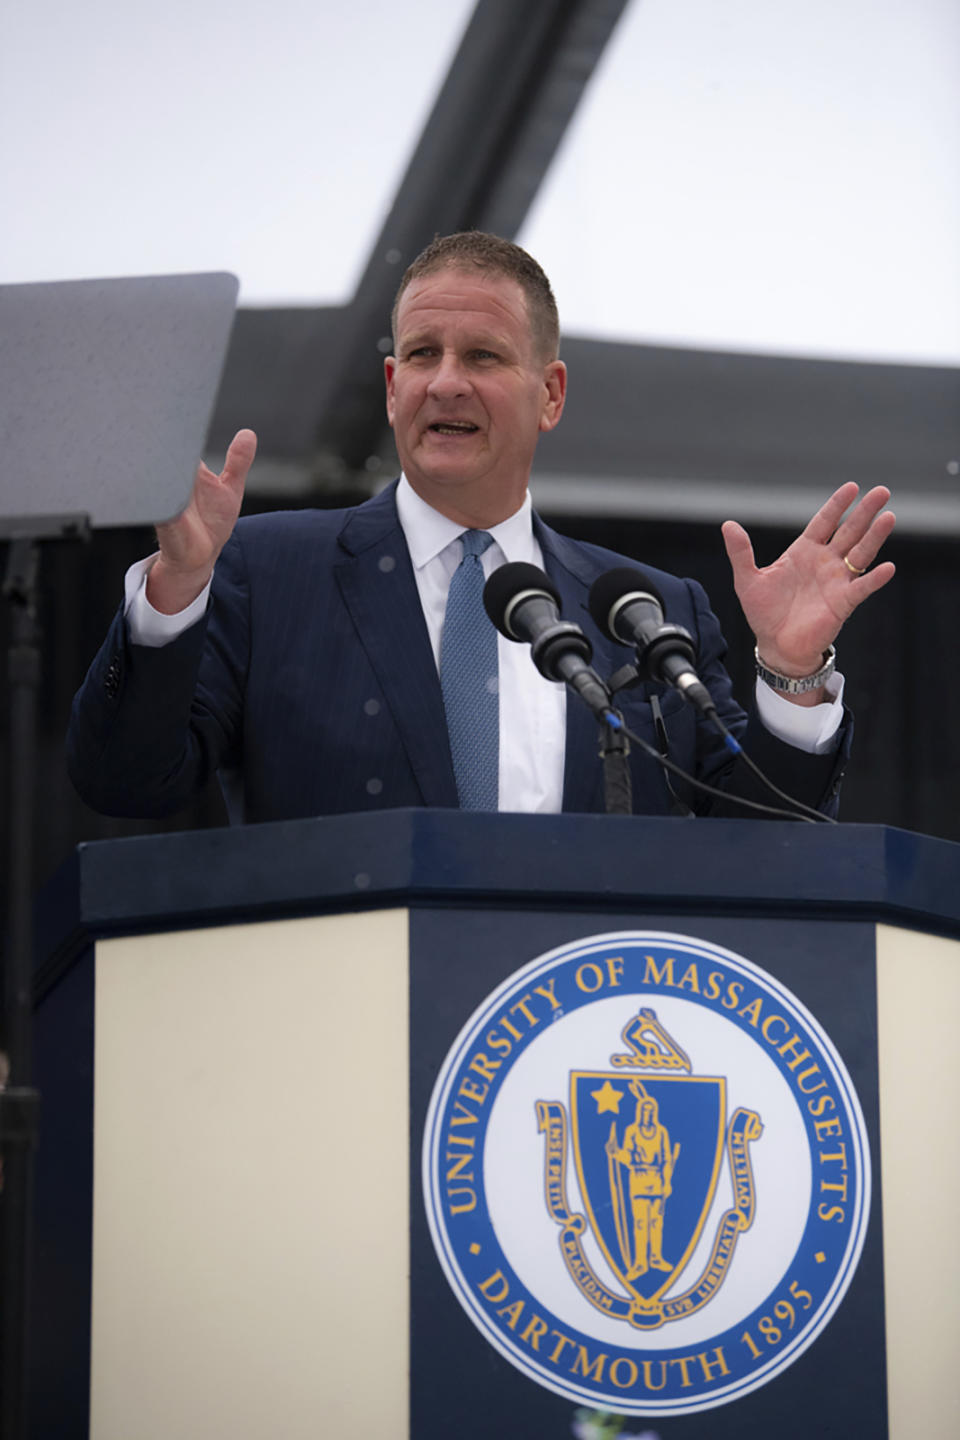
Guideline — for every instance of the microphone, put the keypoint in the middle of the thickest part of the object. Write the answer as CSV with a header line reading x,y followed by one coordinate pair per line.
x,y
524,604
626,605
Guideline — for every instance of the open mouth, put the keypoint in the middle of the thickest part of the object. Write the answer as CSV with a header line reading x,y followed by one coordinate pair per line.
x,y
453,427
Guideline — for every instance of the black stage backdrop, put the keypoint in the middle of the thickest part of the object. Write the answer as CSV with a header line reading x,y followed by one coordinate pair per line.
x,y
898,654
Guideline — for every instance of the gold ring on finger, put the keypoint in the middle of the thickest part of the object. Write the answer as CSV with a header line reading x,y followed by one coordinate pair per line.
x,y
853,568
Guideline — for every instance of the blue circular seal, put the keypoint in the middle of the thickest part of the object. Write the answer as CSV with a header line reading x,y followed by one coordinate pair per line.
x,y
646,1173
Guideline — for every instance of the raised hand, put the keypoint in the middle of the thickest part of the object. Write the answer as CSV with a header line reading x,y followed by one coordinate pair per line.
x,y
190,544
797,605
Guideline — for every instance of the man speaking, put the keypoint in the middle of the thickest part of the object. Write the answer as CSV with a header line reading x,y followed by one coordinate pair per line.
x,y
324,662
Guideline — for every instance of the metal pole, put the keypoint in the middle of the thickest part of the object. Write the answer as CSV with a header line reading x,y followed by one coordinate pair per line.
x,y
19,1104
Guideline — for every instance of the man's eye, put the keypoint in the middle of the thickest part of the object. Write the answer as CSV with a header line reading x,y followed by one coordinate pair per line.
x,y
484,355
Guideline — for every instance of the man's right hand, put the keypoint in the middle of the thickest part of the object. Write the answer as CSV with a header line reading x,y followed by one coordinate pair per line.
x,y
190,544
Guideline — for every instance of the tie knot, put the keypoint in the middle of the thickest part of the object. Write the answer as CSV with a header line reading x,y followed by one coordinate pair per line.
x,y
476,541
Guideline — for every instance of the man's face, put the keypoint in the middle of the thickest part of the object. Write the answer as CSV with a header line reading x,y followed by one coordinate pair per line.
x,y
467,394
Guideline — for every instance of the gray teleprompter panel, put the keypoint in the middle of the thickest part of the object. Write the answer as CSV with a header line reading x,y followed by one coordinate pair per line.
x,y
106,391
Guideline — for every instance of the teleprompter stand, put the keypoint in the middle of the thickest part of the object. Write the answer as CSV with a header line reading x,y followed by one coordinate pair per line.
x,y
19,1102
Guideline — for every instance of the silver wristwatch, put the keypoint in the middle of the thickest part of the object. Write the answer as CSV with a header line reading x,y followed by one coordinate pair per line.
x,y
791,684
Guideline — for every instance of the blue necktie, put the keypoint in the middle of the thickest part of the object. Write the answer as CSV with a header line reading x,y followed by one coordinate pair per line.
x,y
469,680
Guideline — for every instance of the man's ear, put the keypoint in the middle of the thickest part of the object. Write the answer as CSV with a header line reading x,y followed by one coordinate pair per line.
x,y
555,394
389,370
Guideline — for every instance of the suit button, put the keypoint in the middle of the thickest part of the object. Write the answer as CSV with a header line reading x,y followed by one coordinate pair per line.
x,y
111,680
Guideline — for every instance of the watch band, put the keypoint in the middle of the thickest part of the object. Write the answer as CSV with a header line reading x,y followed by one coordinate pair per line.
x,y
796,685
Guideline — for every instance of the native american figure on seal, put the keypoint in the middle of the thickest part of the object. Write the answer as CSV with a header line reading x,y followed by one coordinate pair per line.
x,y
649,1158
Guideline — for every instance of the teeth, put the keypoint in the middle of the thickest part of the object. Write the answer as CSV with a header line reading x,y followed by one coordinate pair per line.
x,y
453,428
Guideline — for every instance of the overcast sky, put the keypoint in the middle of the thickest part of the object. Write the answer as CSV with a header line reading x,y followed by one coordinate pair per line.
x,y
760,175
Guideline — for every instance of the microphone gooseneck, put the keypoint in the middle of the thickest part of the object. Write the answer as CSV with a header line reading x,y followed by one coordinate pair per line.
x,y
627,606
524,604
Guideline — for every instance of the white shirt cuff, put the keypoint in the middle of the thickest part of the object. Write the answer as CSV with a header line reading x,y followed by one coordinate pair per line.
x,y
807,727
148,626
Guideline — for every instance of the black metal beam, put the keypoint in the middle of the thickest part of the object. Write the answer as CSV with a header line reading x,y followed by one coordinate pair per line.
x,y
655,412
513,86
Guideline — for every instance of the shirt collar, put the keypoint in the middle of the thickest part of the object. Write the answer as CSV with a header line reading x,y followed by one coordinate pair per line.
x,y
427,532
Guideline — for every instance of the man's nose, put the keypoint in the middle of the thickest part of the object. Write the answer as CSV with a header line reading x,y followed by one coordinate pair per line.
x,y
450,378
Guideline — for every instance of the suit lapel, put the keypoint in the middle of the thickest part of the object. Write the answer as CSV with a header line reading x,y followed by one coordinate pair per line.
x,y
573,574
376,581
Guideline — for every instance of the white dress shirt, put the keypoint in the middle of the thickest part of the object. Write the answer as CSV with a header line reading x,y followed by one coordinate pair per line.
x,y
532,709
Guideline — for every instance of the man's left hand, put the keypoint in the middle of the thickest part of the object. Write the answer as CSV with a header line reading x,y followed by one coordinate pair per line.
x,y
797,605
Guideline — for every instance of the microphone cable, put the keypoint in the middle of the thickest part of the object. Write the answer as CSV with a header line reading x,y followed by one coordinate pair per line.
x,y
799,810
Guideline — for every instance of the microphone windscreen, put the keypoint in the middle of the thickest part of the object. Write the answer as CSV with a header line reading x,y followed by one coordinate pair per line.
x,y
509,581
607,590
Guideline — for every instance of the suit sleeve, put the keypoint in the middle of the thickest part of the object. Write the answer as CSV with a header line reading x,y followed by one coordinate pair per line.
x,y
149,726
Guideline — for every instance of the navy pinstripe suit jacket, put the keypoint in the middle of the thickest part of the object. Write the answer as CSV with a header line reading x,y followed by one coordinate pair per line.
x,y
310,686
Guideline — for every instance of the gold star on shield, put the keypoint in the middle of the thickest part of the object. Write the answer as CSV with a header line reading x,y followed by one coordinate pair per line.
x,y
607,1098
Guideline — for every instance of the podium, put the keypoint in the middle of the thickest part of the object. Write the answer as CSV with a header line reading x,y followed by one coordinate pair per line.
x,y
256,1213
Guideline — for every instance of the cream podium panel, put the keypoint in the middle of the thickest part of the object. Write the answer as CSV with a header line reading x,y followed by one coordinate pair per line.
x,y
918,1005
251,1181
